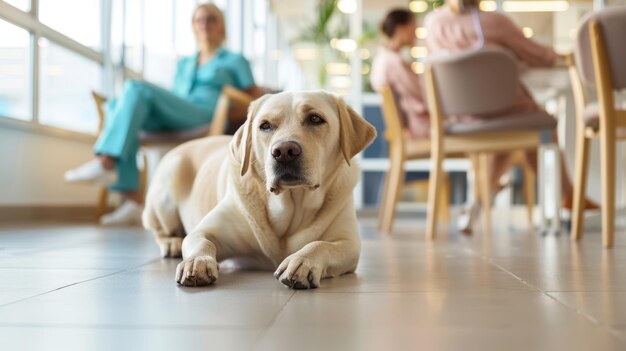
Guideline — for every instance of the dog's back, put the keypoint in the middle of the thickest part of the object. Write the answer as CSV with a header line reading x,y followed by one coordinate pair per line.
x,y
190,173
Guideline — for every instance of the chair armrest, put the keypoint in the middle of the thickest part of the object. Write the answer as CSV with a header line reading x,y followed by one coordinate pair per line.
x,y
100,100
236,95
230,100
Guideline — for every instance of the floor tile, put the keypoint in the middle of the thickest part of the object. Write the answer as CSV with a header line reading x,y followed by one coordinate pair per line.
x,y
410,338
89,288
17,284
106,338
150,298
608,308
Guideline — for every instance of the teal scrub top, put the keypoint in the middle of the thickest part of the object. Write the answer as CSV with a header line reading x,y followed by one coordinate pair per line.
x,y
203,84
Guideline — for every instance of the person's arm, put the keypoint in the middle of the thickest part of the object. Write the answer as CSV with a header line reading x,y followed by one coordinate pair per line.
x,y
511,36
407,84
244,80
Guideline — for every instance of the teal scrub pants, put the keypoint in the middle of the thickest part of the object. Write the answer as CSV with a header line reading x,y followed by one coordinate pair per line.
x,y
143,106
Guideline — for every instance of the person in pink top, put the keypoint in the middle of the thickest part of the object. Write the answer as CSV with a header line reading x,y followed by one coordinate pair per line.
x,y
389,67
457,26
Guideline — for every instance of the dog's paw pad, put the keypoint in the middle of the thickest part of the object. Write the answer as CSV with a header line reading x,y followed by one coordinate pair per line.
x,y
197,271
298,273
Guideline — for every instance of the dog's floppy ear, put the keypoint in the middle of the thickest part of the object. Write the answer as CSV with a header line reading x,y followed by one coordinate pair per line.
x,y
242,141
355,133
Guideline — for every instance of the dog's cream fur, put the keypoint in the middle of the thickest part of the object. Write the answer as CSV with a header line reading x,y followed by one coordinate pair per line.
x,y
218,198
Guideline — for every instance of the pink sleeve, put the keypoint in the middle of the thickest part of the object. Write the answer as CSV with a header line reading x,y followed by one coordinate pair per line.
x,y
508,35
406,82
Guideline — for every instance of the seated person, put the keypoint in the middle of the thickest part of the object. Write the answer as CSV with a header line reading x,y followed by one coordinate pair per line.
x,y
143,106
457,26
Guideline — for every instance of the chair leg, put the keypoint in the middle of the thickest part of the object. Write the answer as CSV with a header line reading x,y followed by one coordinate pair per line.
x,y
444,201
474,158
143,175
434,193
529,190
607,159
485,191
103,199
394,181
580,185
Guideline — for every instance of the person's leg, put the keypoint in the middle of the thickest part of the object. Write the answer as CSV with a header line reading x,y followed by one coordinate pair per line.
x,y
567,189
142,106
500,163
124,120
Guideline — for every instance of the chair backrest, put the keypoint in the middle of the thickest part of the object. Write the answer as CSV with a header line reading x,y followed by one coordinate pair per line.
x,y
612,22
475,82
392,115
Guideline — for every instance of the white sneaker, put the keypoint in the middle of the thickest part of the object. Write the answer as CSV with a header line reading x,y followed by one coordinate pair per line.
x,y
129,213
91,172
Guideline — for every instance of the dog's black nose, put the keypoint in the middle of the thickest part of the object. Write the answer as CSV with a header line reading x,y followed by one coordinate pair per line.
x,y
286,151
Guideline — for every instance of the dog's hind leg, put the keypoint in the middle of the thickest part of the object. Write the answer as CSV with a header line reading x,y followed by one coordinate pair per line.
x,y
161,211
162,219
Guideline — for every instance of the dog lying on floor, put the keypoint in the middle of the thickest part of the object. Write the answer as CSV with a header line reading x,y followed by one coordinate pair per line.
x,y
278,192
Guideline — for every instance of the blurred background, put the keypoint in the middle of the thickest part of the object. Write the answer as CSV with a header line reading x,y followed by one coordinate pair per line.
x,y
54,52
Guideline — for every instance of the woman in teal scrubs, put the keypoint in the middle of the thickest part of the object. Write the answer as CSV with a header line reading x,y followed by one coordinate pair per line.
x,y
144,106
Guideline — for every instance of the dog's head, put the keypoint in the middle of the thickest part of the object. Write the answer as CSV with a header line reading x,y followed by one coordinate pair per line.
x,y
295,139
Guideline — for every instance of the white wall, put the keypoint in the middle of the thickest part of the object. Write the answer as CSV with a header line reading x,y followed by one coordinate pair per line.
x,y
32,166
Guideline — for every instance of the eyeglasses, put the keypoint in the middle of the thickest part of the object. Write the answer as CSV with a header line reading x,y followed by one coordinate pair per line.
x,y
210,19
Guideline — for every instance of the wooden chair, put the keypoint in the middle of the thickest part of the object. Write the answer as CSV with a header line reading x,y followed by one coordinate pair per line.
x,y
477,82
230,113
600,58
402,149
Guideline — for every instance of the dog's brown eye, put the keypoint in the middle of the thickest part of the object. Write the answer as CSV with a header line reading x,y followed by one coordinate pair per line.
x,y
266,126
315,119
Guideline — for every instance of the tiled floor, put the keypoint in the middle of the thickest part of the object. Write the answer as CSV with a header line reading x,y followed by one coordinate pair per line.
x,y
85,288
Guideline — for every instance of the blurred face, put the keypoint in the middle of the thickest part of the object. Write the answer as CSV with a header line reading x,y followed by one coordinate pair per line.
x,y
208,25
405,33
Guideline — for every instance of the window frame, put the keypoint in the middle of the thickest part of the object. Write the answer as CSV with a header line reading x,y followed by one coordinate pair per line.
x,y
29,21
238,33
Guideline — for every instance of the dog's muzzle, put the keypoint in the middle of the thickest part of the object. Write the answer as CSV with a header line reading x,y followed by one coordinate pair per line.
x,y
287,165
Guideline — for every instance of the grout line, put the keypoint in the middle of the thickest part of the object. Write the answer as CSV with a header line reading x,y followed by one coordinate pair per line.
x,y
80,282
271,323
587,316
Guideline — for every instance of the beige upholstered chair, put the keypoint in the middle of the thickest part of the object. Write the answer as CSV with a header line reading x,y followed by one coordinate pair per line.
x,y
402,149
476,82
230,112
600,61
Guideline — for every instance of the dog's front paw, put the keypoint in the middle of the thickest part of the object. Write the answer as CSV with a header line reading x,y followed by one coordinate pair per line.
x,y
299,272
197,271
171,247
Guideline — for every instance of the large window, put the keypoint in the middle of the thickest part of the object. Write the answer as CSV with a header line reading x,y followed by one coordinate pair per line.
x,y
66,79
15,72
160,57
85,45
79,20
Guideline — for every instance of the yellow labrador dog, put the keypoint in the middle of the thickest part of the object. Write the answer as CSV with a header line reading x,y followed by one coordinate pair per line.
x,y
278,192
